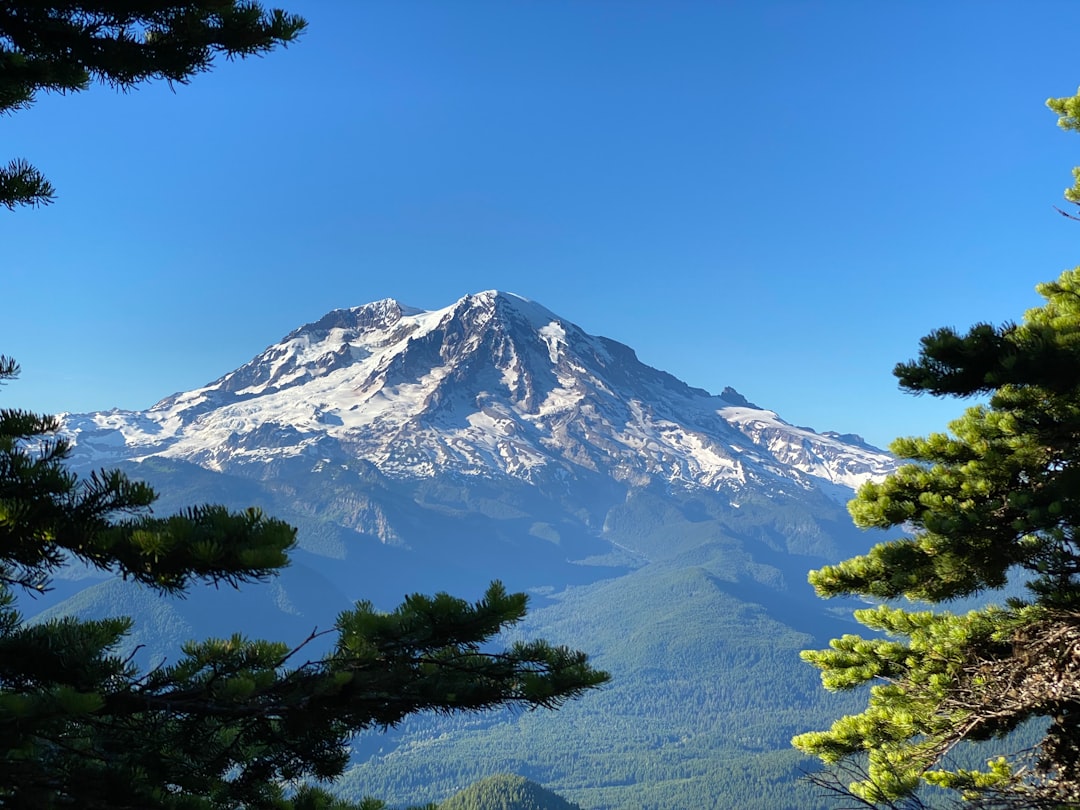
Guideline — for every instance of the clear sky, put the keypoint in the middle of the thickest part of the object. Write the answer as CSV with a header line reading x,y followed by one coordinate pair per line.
x,y
782,197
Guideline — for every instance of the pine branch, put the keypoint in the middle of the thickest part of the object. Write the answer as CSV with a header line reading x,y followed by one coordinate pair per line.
x,y
22,184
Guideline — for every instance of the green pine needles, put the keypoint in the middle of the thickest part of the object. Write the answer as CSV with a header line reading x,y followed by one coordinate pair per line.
x,y
234,723
996,500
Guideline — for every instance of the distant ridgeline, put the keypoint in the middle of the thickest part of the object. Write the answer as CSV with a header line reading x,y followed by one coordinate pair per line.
x,y
664,530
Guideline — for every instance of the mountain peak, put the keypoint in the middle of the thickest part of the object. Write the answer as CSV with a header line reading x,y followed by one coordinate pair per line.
x,y
508,305
375,315
735,398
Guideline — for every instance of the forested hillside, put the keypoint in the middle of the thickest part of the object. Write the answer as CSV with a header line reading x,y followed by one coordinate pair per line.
x,y
506,792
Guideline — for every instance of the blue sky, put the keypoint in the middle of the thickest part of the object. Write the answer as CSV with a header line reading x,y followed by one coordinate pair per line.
x,y
782,197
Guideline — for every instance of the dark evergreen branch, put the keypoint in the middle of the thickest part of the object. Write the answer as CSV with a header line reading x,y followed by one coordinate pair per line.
x,y
22,184
65,47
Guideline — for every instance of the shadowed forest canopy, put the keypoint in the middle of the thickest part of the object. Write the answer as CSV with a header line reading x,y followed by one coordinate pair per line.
x,y
506,791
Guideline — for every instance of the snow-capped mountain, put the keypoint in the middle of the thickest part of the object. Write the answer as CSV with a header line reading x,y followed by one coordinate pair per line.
x,y
663,529
493,385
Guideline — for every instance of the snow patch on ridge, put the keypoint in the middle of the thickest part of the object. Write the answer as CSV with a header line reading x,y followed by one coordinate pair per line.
x,y
554,336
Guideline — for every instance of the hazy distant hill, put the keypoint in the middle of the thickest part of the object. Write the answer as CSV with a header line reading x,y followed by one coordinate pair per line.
x,y
665,530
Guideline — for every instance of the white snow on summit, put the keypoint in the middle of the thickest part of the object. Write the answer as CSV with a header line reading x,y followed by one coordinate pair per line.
x,y
492,385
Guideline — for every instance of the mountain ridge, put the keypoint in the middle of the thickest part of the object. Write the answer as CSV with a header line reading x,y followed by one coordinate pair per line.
x,y
492,384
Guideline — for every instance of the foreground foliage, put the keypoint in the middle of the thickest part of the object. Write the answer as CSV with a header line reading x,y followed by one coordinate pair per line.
x,y
991,505
995,501
233,722
64,47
